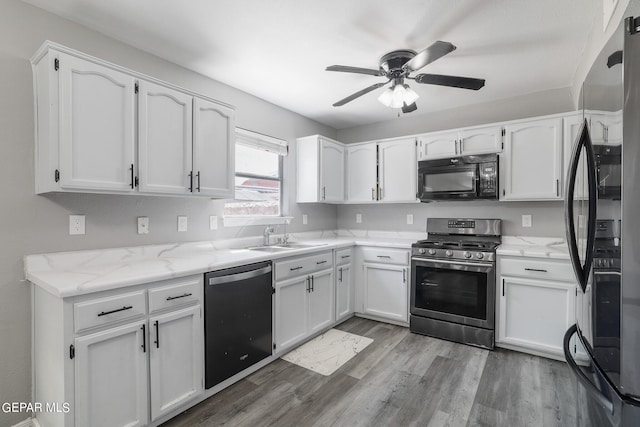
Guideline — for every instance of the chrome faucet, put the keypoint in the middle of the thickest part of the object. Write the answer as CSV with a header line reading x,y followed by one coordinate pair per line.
x,y
267,233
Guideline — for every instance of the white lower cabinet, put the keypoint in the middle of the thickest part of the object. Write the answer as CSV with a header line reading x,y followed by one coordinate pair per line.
x,y
344,284
111,378
175,359
536,300
305,298
385,291
130,357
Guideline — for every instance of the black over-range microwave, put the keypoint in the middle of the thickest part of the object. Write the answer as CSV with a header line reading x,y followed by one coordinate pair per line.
x,y
463,178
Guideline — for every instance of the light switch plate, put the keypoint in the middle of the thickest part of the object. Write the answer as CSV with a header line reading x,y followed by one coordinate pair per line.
x,y
409,219
213,222
143,225
358,218
305,219
526,221
182,223
76,224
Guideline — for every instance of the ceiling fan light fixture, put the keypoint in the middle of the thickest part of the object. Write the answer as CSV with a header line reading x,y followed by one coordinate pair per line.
x,y
386,97
410,95
397,96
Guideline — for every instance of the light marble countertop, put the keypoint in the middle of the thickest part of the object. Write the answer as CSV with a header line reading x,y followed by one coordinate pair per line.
x,y
67,274
538,247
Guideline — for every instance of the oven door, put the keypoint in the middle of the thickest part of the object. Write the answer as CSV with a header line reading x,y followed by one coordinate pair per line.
x,y
453,291
448,182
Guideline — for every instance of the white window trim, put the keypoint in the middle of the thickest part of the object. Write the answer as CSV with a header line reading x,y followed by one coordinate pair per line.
x,y
274,145
243,221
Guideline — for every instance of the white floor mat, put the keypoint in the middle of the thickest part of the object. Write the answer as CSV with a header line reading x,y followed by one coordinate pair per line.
x,y
327,352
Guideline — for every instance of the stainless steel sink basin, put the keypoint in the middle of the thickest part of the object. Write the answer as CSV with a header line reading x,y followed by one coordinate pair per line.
x,y
286,247
270,249
301,245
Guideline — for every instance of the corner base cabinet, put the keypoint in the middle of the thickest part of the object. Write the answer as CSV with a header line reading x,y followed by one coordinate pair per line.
x,y
536,300
122,357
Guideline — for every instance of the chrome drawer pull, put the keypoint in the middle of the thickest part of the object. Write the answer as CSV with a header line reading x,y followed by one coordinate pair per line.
x,y
345,256
104,313
295,268
321,262
179,296
384,256
536,269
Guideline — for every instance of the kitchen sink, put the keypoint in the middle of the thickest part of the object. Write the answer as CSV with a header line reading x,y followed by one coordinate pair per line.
x,y
270,248
301,245
286,247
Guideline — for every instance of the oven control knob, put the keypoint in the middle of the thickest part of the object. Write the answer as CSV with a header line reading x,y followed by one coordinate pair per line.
x,y
448,253
422,250
432,251
479,255
467,254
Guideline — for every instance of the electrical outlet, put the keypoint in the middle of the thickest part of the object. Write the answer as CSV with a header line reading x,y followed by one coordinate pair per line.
x,y
213,222
182,223
358,218
526,221
305,219
143,225
76,224
409,219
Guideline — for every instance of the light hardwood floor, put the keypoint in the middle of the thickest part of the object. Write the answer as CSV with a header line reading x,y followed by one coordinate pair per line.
x,y
401,379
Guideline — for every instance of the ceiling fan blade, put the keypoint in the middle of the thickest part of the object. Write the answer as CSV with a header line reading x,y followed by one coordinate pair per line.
x,y
359,93
409,108
357,70
428,55
452,81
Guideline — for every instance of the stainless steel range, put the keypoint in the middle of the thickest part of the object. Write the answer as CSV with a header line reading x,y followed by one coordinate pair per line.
x,y
453,283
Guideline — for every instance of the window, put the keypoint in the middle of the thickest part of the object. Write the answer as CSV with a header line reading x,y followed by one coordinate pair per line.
x,y
258,182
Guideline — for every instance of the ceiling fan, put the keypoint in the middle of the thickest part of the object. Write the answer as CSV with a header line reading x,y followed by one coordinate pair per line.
x,y
396,66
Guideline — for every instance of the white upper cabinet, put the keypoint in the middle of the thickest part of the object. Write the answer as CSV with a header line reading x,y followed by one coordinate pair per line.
x,y
613,130
463,142
320,170
165,139
213,155
96,119
531,164
438,145
398,171
572,125
482,140
88,131
362,172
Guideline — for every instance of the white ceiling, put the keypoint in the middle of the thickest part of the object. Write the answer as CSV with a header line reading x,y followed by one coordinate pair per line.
x,y
278,49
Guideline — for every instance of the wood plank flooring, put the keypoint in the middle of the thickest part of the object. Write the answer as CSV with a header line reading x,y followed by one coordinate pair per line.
x,y
401,379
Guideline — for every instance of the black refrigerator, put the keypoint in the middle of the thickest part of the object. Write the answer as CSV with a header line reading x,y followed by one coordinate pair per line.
x,y
602,211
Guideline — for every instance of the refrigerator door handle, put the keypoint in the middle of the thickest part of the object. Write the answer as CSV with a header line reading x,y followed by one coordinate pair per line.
x,y
581,377
581,270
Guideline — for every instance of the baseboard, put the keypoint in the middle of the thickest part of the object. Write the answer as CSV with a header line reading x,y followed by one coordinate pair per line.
x,y
29,422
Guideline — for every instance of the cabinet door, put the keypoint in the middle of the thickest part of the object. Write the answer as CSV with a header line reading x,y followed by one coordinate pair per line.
x,y
385,291
344,292
536,313
398,170
165,139
614,128
213,149
111,379
437,146
361,173
321,301
533,160
291,311
176,359
96,126
572,126
331,171
484,140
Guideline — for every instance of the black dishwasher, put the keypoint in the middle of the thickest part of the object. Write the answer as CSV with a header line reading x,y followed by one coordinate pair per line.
x,y
237,320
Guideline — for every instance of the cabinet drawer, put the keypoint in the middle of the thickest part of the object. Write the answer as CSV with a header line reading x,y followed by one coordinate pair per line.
x,y
538,268
344,256
385,255
103,311
299,266
178,293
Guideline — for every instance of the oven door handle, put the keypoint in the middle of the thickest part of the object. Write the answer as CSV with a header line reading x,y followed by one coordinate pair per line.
x,y
455,265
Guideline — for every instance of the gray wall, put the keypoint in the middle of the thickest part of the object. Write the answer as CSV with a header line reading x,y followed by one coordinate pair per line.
x,y
547,217
35,224
531,105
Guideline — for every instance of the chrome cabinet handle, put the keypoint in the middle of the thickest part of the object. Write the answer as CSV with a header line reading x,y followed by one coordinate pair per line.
x,y
295,268
190,181
345,256
536,269
324,193
502,287
557,187
321,262
157,341
132,178
198,176
384,256
340,270
312,287
144,338
404,275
